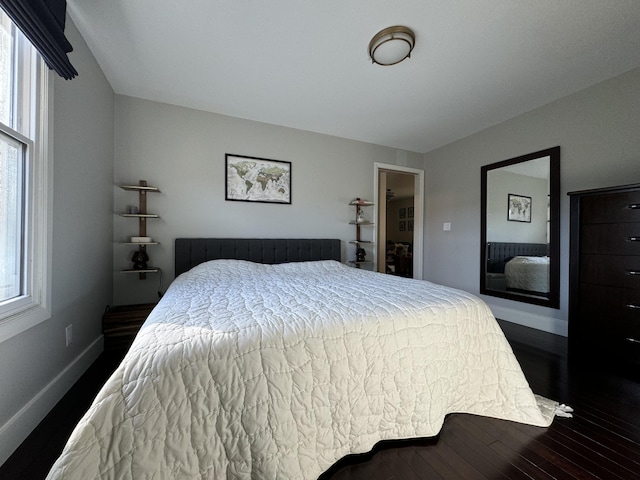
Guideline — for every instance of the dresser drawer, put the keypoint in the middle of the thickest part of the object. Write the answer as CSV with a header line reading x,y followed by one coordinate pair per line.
x,y
611,270
609,208
624,348
610,239
606,330
617,304
616,334
600,328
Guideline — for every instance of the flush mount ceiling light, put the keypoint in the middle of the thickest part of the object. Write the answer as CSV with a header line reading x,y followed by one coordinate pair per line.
x,y
391,45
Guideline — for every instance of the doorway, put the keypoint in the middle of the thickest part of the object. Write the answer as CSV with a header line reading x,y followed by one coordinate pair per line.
x,y
399,232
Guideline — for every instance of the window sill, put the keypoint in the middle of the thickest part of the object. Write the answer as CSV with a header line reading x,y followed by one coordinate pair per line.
x,y
18,322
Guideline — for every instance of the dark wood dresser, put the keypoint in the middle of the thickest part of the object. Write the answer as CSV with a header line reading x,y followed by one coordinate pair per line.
x,y
604,274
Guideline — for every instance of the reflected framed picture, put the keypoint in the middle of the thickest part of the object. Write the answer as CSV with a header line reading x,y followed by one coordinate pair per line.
x,y
519,208
253,179
403,213
402,226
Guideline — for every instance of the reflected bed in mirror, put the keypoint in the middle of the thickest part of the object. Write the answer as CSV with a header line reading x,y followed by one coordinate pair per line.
x,y
520,234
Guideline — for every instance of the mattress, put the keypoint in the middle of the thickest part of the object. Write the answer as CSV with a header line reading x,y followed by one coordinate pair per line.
x,y
259,371
528,273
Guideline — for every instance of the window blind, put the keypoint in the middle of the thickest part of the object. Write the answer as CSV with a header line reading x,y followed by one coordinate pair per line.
x,y
42,22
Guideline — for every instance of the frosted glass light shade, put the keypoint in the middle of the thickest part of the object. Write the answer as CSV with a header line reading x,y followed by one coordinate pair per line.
x,y
391,45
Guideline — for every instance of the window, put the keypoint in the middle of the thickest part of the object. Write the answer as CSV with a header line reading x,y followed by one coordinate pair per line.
x,y
23,183
12,213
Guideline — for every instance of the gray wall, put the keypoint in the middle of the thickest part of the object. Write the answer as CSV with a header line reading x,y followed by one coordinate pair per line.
x,y
182,151
597,130
36,368
499,228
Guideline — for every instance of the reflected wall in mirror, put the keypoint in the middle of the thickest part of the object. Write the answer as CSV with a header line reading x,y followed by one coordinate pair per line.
x,y
520,229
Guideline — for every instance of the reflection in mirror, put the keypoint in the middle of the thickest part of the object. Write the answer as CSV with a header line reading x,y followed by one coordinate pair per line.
x,y
520,228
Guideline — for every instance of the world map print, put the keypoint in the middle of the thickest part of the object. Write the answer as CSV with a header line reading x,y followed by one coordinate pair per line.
x,y
258,180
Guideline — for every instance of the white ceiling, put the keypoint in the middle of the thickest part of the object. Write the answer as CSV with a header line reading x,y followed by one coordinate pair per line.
x,y
304,64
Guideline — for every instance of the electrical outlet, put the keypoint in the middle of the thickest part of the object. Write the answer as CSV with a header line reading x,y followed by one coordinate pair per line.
x,y
69,334
446,226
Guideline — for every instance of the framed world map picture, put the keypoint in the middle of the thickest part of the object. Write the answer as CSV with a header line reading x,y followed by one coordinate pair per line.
x,y
519,208
252,179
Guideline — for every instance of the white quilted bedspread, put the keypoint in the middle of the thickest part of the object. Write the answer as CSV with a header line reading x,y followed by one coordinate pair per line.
x,y
275,372
528,273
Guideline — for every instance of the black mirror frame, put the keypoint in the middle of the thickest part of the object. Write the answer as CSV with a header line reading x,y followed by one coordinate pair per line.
x,y
553,301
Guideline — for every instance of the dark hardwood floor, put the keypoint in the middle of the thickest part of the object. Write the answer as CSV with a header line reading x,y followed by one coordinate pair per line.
x,y
602,440
33,459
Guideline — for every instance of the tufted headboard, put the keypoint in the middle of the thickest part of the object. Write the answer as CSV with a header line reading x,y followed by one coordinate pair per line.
x,y
500,252
194,251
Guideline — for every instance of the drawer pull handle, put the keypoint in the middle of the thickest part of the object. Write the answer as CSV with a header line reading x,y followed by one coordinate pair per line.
x,y
633,272
632,340
633,306
633,239
634,206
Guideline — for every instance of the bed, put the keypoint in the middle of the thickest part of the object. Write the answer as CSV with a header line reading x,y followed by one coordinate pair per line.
x,y
519,267
248,370
528,274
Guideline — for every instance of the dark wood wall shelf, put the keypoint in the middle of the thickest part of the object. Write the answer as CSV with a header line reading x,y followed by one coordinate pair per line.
x,y
359,242
142,215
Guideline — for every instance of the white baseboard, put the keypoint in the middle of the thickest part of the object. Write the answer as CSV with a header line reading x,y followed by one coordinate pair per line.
x,y
546,324
18,427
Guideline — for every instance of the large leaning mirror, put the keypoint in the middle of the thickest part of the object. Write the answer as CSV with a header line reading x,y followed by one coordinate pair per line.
x,y
520,231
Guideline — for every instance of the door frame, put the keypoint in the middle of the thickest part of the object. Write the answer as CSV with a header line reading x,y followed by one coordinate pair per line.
x,y
418,209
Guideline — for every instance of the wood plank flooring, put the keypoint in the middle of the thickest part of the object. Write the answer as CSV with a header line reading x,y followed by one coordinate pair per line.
x,y
602,440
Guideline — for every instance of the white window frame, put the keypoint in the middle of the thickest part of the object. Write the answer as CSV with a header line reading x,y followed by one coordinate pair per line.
x,y
34,306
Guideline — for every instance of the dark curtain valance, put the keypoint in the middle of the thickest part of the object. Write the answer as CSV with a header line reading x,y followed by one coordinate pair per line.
x,y
42,22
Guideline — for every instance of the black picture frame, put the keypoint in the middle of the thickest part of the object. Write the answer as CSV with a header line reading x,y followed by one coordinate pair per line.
x,y
519,208
256,179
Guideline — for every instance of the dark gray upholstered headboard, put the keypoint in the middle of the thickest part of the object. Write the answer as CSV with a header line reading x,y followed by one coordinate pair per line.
x,y
498,252
194,251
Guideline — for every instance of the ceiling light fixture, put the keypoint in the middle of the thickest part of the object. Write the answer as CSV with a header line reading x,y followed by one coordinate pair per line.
x,y
392,45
